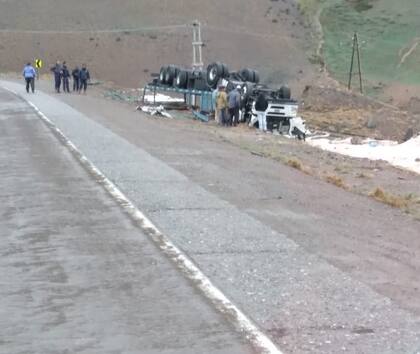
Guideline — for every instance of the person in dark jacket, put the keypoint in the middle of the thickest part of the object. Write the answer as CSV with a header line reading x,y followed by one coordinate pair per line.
x,y
66,77
84,77
29,75
234,103
57,70
76,78
261,105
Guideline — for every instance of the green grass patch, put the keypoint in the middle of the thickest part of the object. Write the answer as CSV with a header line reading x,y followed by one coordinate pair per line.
x,y
388,32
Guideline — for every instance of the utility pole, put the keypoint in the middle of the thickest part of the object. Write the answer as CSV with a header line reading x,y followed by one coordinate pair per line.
x,y
197,44
355,50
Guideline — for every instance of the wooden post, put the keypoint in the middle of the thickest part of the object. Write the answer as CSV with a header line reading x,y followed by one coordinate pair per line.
x,y
352,61
355,49
359,63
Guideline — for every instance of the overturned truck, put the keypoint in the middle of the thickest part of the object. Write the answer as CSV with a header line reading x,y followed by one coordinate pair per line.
x,y
281,114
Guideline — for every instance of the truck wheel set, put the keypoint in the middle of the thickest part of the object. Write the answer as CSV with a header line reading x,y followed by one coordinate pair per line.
x,y
281,113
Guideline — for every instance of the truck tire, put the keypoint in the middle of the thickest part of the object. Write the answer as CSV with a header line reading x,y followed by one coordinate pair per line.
x,y
250,75
162,74
225,70
181,80
256,77
171,74
247,75
199,79
200,84
215,72
284,93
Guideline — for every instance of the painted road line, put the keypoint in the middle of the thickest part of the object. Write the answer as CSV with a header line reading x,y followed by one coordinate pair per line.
x,y
241,322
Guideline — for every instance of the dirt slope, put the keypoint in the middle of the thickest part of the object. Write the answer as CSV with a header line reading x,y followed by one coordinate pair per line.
x,y
268,35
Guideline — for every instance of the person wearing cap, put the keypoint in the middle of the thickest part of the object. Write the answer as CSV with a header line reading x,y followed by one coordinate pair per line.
x,y
234,102
29,75
221,105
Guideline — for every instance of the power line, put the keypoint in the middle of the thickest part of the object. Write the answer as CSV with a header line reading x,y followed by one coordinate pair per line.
x,y
122,30
244,32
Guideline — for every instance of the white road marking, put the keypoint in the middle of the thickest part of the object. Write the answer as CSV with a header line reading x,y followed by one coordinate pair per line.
x,y
242,323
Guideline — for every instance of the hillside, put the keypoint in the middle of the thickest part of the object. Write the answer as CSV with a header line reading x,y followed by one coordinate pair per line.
x,y
389,36
124,41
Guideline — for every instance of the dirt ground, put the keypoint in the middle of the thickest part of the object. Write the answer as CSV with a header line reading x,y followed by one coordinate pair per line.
x,y
323,109
125,43
319,199
360,176
361,216
337,110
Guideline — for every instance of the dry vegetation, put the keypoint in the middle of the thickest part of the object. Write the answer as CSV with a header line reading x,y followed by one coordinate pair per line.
x,y
295,164
395,201
336,180
358,176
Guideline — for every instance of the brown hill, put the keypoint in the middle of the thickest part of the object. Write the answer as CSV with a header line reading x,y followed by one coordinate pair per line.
x,y
126,40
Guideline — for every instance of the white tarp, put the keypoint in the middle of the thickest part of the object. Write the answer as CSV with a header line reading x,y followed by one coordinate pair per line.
x,y
405,155
160,98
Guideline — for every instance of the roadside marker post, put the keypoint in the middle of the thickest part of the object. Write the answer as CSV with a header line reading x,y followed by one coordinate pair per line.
x,y
38,65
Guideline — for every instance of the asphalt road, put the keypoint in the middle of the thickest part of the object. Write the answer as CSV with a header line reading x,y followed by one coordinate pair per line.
x,y
305,304
77,276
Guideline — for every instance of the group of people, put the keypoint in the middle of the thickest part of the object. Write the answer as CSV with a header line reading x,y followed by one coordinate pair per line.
x,y
62,77
227,106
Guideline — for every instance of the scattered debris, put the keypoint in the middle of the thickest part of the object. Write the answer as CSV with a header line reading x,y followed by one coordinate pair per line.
x,y
95,83
356,140
201,116
121,95
371,123
155,110
408,134
257,154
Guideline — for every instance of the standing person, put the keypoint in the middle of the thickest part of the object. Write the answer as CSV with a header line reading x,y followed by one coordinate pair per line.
x,y
29,75
57,69
84,76
66,77
234,101
76,78
221,105
213,101
261,106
